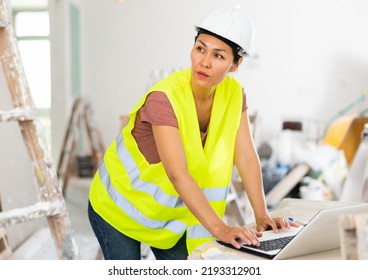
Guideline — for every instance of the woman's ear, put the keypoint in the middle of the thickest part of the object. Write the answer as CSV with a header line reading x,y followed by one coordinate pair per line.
x,y
236,65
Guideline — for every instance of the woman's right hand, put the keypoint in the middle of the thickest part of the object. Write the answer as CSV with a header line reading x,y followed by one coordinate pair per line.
x,y
234,234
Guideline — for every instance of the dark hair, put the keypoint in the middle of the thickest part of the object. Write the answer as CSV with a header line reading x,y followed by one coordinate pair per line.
x,y
235,48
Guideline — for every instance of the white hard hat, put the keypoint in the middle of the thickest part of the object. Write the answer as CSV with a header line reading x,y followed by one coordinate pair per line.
x,y
233,24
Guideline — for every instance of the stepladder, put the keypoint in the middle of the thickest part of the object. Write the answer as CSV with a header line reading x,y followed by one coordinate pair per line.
x,y
81,120
51,204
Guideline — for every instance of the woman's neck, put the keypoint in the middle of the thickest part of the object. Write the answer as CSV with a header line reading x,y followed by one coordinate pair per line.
x,y
202,94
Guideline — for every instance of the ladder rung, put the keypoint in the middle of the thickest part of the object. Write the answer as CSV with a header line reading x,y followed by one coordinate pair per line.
x,y
29,213
17,115
5,250
231,197
3,23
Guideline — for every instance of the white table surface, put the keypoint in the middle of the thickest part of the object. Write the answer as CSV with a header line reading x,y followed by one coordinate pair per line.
x,y
299,209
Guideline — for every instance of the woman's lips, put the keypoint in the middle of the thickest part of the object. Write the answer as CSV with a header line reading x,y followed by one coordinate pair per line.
x,y
202,74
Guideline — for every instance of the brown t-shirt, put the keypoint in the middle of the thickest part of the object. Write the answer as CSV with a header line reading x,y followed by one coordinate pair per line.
x,y
157,110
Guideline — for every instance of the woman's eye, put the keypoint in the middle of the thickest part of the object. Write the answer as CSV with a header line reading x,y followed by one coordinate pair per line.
x,y
200,49
219,56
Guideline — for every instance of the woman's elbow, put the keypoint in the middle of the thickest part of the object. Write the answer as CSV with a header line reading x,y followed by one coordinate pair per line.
x,y
176,175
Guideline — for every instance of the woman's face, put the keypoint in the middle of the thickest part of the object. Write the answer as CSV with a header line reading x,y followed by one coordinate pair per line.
x,y
212,60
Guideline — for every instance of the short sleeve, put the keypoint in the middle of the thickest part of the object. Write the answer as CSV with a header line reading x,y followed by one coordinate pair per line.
x,y
158,110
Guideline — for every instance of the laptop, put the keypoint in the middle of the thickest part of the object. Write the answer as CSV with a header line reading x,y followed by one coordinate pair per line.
x,y
321,233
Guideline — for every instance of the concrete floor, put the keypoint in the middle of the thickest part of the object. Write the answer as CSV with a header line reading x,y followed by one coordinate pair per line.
x,y
40,245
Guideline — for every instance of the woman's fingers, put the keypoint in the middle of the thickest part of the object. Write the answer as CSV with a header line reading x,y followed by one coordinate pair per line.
x,y
243,235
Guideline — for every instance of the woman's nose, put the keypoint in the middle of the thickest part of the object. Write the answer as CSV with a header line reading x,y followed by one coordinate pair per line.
x,y
206,62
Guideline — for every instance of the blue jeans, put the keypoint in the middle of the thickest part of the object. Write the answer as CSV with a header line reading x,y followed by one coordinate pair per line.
x,y
117,246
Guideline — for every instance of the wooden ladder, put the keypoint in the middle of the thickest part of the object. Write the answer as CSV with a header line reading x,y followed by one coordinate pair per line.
x,y
52,204
81,115
5,250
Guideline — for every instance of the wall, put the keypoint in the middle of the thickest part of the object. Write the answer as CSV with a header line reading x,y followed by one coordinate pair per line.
x,y
63,84
308,62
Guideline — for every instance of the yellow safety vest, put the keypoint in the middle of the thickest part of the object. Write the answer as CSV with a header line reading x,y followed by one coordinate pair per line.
x,y
138,199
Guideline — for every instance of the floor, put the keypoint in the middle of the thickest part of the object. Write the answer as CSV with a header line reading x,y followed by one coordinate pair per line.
x,y
40,245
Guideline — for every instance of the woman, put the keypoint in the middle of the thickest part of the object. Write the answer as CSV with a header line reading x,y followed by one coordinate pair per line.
x,y
164,179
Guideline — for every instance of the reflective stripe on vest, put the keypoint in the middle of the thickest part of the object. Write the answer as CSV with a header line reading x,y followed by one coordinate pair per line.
x,y
212,194
198,231
174,225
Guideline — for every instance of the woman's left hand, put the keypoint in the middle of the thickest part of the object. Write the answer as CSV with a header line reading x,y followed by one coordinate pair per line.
x,y
267,223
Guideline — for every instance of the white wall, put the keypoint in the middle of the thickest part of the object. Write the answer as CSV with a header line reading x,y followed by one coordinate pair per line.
x,y
309,58
123,44
312,58
61,101
61,71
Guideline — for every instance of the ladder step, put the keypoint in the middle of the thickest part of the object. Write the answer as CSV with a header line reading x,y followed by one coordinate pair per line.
x,y
5,250
231,197
29,213
3,23
17,115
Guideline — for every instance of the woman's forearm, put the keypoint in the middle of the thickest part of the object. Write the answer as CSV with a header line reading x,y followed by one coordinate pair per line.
x,y
197,203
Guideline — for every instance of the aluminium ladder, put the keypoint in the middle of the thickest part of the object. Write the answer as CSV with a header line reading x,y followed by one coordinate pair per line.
x,y
52,204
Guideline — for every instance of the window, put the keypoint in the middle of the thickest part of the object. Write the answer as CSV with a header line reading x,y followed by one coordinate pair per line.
x,y
32,30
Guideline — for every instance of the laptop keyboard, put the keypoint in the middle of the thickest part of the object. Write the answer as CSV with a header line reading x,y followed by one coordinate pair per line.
x,y
274,244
